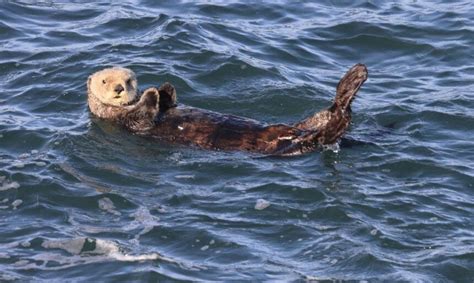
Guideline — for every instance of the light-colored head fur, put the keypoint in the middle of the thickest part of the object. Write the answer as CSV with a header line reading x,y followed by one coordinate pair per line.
x,y
113,86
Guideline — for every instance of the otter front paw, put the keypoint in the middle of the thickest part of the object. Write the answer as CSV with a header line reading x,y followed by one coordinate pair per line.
x,y
168,97
142,116
150,98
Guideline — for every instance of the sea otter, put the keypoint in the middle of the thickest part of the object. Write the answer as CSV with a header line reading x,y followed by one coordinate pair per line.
x,y
113,95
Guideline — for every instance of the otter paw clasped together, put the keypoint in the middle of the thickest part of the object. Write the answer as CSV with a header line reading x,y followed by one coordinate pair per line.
x,y
113,96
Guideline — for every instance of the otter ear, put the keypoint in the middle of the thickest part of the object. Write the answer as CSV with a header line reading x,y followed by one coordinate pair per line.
x,y
167,96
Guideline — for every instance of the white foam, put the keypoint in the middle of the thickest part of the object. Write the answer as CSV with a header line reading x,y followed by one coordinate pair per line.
x,y
21,262
18,164
310,278
161,209
184,176
72,246
107,205
261,204
75,246
143,215
9,185
24,155
103,250
144,218
16,203
144,257
4,256
332,147
104,247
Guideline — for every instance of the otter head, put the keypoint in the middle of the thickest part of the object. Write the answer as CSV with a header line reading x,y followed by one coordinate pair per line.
x,y
113,86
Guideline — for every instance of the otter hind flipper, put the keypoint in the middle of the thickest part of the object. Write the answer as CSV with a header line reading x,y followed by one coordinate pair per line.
x,y
333,121
141,116
306,141
349,85
168,98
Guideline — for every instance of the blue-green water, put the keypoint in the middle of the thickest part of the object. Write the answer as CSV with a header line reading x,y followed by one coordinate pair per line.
x,y
83,200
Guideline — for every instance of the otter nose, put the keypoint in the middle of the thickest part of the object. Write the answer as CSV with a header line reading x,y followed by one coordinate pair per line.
x,y
118,89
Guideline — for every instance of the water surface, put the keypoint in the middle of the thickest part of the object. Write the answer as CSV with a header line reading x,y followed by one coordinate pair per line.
x,y
83,200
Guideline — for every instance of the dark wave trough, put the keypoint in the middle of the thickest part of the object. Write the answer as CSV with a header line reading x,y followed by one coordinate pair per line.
x,y
82,200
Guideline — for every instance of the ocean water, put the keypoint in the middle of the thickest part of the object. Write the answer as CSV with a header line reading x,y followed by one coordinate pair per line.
x,y
83,200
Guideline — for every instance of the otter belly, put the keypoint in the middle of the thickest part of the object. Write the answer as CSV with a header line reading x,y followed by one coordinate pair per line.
x,y
211,130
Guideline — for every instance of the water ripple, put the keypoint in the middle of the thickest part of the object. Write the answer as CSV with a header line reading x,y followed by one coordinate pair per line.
x,y
393,203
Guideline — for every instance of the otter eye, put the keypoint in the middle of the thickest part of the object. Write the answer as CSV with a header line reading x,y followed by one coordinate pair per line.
x,y
104,82
129,81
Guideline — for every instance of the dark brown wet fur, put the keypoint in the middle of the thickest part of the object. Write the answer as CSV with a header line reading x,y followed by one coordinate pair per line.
x,y
156,115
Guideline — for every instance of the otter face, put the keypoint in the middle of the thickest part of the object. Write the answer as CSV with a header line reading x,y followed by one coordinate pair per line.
x,y
113,86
